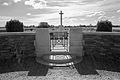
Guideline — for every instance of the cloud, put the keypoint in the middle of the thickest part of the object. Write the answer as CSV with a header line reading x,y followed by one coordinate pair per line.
x,y
36,4
16,1
5,4
91,1
62,3
119,18
100,17
65,1
5,18
99,13
103,17
28,14
71,11
118,11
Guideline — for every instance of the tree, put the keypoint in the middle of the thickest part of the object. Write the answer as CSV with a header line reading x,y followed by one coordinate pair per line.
x,y
14,26
104,26
43,25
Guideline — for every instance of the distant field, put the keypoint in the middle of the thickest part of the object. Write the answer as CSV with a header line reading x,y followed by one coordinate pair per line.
x,y
93,29
2,29
84,29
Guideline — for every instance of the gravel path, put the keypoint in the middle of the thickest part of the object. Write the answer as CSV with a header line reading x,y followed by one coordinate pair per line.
x,y
61,74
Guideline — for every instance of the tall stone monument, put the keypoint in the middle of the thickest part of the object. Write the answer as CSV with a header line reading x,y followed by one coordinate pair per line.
x,y
61,13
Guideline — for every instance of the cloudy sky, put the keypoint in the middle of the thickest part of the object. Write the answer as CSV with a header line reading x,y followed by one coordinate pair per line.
x,y
76,12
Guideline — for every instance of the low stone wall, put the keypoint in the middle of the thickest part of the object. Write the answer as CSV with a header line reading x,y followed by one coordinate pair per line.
x,y
104,44
95,43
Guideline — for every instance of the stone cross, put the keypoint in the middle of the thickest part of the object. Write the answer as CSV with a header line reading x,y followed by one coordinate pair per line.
x,y
61,17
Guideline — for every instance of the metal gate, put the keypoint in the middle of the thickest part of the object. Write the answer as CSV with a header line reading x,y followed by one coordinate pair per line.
x,y
59,41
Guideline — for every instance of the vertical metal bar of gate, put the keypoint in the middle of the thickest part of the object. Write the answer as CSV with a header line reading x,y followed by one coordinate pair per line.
x,y
67,42
54,42
51,42
64,40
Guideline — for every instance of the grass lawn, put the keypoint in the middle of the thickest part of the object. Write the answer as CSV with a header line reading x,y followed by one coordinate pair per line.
x,y
108,63
28,64
87,66
91,63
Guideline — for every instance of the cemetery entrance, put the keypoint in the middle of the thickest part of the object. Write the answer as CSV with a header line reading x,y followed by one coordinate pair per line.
x,y
59,42
58,46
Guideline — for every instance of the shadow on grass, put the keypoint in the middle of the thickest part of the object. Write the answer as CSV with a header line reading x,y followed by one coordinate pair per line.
x,y
105,62
91,63
86,66
28,64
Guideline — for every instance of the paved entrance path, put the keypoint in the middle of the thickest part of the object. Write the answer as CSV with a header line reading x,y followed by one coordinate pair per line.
x,y
62,72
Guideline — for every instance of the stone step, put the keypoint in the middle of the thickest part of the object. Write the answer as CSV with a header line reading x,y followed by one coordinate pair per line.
x,y
60,57
59,50
63,68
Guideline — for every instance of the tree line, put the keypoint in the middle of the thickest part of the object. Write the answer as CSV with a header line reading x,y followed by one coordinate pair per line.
x,y
17,26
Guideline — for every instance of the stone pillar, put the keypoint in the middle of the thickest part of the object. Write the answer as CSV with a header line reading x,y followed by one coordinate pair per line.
x,y
76,41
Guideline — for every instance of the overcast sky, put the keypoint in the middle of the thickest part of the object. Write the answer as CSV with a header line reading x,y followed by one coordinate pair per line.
x,y
76,12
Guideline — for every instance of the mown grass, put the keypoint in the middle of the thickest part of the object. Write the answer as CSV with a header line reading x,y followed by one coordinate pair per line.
x,y
27,64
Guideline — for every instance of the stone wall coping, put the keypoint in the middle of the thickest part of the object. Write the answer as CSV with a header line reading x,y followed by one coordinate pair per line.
x,y
102,33
16,33
33,33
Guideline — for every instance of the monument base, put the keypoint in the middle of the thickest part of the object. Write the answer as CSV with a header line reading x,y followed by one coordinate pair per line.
x,y
47,61
59,41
